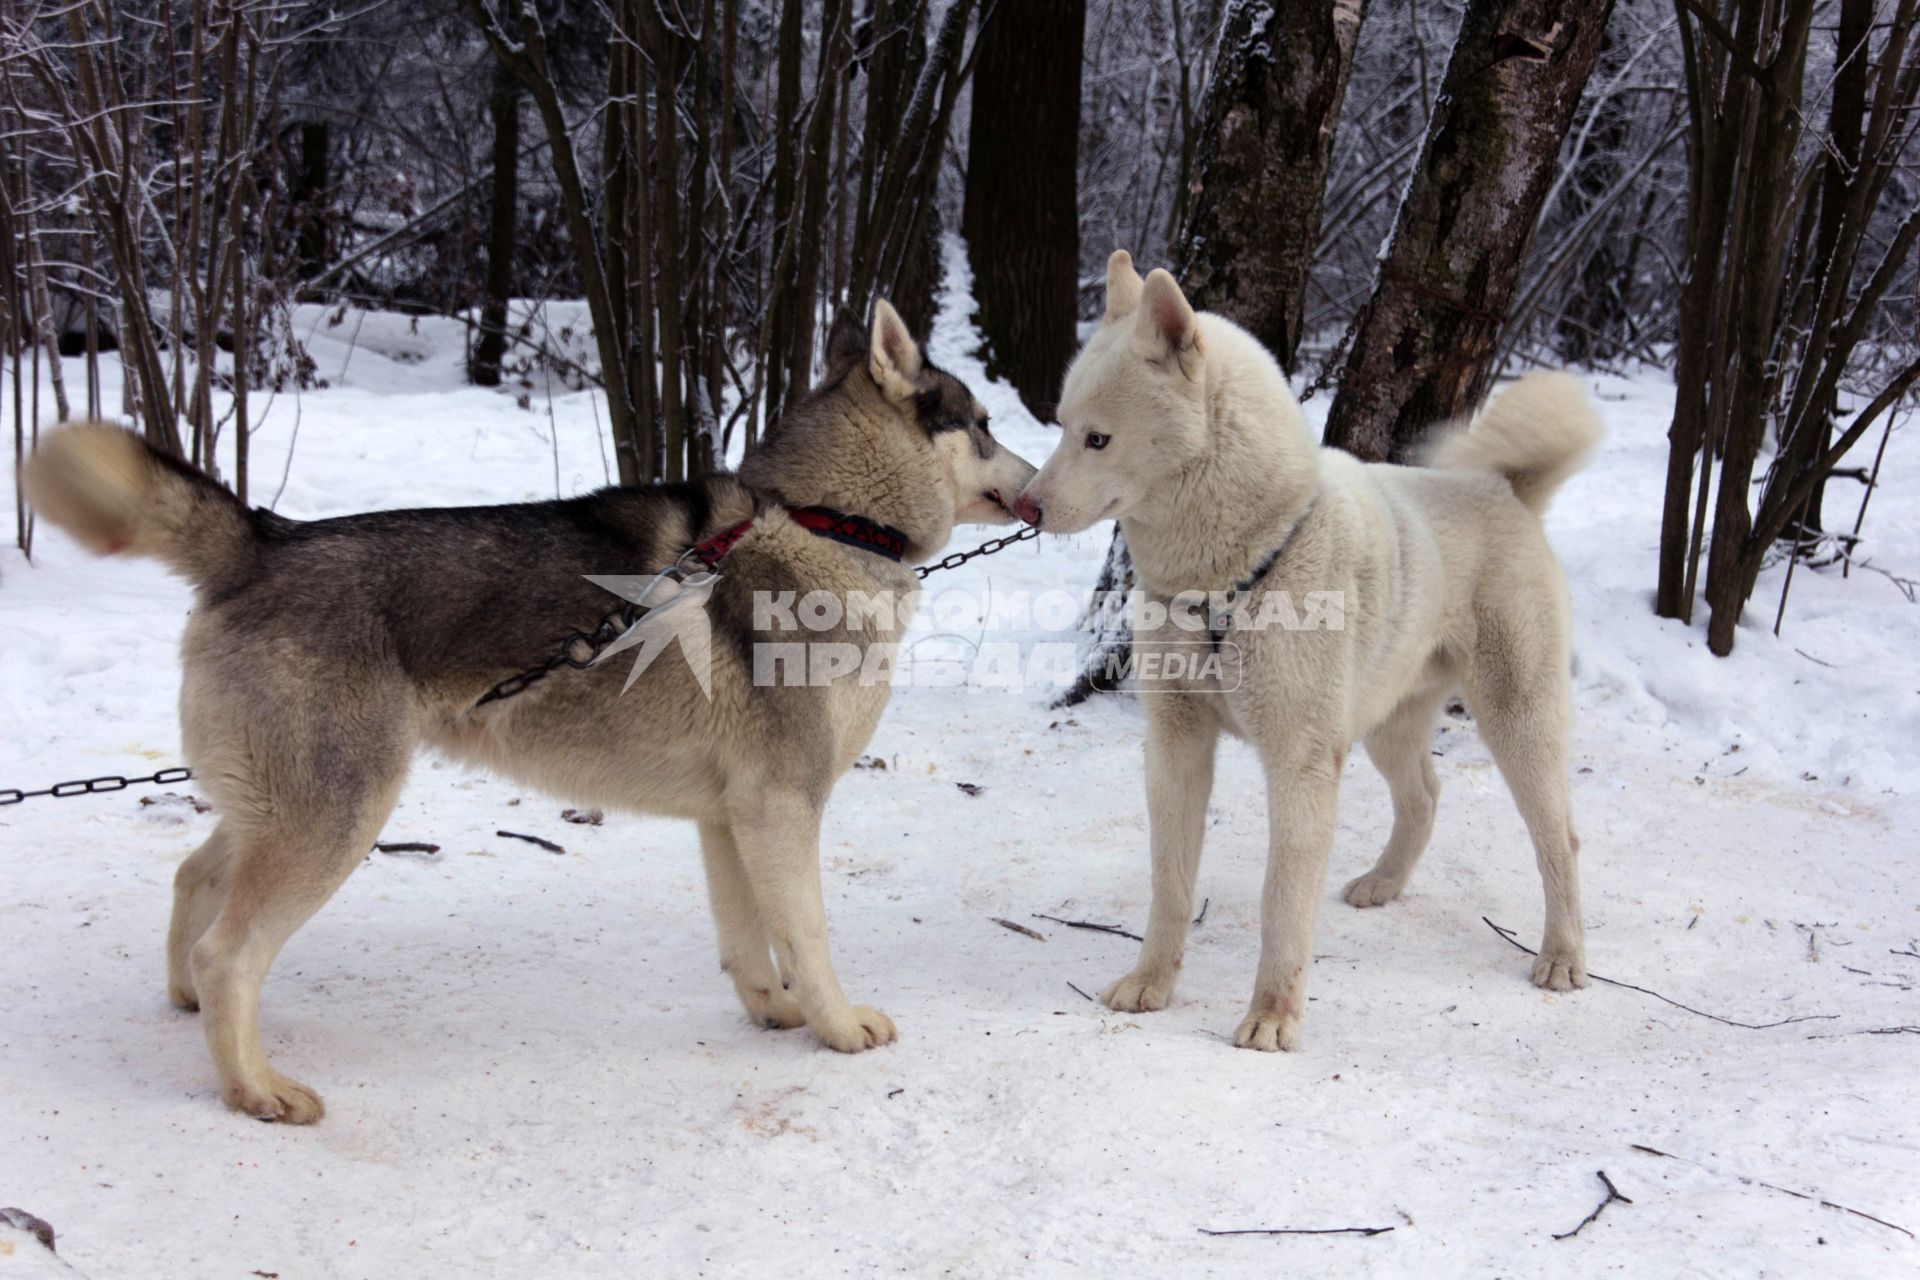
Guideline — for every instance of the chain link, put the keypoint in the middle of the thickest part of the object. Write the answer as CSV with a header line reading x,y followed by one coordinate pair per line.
x,y
580,650
94,786
986,548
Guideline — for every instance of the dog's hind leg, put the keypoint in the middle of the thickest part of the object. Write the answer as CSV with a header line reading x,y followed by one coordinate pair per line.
x,y
299,828
777,829
1522,711
199,891
1401,748
1180,750
744,950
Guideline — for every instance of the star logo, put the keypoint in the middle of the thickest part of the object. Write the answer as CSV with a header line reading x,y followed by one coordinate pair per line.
x,y
675,609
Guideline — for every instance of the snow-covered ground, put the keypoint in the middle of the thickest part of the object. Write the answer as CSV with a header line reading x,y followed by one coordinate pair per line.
x,y
533,1066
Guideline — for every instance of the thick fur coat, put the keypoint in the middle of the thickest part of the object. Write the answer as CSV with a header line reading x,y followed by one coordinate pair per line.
x,y
322,654
1401,586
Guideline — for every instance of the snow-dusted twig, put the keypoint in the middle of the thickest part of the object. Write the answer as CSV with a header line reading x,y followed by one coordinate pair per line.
x,y
548,845
1035,934
406,846
1613,1194
1077,991
1645,991
1755,1182
1090,926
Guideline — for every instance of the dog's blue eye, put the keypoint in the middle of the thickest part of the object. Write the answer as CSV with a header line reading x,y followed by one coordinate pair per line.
x,y
1097,441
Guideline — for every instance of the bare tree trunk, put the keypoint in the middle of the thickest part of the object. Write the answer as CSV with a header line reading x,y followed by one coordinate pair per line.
x,y
41,302
1845,135
671,294
111,174
309,199
810,221
1716,106
519,41
908,166
706,321
724,281
909,265
13,321
1265,146
502,229
1021,217
896,35
786,181
1424,345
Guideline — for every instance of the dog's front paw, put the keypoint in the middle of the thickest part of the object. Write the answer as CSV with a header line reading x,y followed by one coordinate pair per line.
x,y
1139,992
855,1029
772,1007
1560,967
1372,890
281,1099
1269,1030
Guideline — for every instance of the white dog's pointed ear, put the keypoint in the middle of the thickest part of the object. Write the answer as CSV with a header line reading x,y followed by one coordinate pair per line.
x,y
1166,328
893,356
1123,287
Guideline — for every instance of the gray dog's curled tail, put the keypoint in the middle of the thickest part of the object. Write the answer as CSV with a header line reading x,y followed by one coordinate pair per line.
x,y
1536,433
114,492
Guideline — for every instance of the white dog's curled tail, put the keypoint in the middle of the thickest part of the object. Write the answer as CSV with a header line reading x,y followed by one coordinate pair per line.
x,y
1536,433
114,492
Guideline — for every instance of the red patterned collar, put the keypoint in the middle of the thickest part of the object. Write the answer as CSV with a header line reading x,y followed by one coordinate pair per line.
x,y
824,522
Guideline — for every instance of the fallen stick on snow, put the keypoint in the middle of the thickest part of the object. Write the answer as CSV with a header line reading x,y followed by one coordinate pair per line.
x,y
1035,934
548,845
405,846
1614,982
1297,1231
1077,991
1613,1194
1755,1182
1090,925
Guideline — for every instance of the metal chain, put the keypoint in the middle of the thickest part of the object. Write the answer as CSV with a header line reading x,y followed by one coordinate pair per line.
x,y
579,650
94,786
986,548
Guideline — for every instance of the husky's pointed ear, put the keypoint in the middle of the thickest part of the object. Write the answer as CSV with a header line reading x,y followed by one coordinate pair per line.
x,y
846,342
1123,287
1165,330
893,357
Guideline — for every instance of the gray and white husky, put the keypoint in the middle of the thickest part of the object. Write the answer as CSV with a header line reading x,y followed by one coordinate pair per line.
x,y
1183,427
321,654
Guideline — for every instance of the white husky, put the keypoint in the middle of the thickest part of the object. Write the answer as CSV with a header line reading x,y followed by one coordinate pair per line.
x,y
1183,427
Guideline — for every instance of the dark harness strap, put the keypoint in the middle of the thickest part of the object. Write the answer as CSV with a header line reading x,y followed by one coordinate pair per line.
x,y
1224,619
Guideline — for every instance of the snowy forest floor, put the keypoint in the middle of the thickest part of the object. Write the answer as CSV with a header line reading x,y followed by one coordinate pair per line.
x,y
533,1066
